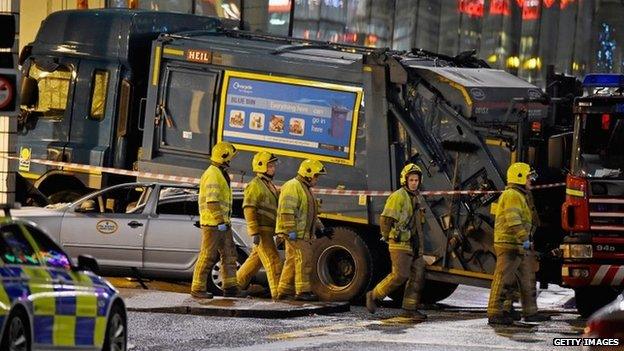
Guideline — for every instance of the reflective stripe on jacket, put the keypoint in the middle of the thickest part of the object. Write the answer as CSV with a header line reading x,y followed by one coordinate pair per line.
x,y
294,200
262,196
513,217
213,187
400,206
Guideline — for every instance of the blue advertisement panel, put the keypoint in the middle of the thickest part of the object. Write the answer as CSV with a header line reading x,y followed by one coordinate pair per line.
x,y
288,116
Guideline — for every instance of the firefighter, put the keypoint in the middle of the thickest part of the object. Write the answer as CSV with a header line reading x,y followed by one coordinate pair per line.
x,y
298,223
512,244
260,208
401,226
215,207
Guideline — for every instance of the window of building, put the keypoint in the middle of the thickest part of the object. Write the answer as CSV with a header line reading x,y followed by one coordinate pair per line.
x,y
53,90
99,87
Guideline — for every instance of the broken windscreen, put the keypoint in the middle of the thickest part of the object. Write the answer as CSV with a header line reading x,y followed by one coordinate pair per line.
x,y
600,146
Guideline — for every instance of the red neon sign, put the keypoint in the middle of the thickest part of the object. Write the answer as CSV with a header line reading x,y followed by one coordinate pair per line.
x,y
472,8
531,9
500,7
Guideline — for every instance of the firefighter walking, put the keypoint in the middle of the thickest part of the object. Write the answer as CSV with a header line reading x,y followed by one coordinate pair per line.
x,y
215,207
260,209
297,223
401,226
512,244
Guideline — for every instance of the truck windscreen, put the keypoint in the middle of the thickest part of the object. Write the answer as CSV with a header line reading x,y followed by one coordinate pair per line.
x,y
600,140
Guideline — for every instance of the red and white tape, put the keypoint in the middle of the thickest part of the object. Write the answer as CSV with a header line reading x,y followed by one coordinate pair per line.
x,y
240,185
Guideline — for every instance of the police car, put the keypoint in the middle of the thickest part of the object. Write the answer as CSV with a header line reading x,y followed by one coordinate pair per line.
x,y
46,302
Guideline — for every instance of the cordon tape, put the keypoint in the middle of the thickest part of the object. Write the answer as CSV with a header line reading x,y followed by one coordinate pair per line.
x,y
240,185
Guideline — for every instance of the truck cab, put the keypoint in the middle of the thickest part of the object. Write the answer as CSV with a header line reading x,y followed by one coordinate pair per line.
x,y
593,212
84,78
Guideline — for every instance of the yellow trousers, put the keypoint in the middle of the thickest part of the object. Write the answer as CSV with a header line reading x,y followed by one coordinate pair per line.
x,y
514,269
215,244
264,254
297,271
405,267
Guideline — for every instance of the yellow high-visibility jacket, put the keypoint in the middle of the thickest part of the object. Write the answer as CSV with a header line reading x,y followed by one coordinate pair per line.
x,y
400,206
260,205
296,210
513,217
214,188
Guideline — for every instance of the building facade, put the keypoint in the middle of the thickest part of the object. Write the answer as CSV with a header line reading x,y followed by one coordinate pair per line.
x,y
523,37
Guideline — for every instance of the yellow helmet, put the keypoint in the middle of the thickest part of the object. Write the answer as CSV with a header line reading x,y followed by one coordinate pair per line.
x,y
261,160
409,168
222,152
310,168
518,173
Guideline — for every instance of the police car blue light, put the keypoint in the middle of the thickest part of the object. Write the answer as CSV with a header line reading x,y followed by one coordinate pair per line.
x,y
604,80
48,303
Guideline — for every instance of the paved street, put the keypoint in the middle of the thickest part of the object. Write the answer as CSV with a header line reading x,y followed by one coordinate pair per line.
x,y
460,324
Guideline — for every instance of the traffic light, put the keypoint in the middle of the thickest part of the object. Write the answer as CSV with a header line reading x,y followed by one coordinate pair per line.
x,y
8,92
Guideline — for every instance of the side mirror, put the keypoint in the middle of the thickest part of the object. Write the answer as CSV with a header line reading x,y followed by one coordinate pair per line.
x,y
86,207
88,263
30,92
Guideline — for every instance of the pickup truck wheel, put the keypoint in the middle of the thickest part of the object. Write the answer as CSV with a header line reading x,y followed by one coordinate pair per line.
x,y
214,280
434,291
591,299
343,268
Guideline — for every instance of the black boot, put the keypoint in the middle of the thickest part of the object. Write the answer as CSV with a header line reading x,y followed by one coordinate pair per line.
x,y
201,294
284,297
233,292
306,296
414,314
500,320
537,318
515,315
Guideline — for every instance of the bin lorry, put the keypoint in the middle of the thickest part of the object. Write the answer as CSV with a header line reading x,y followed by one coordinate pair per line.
x,y
362,111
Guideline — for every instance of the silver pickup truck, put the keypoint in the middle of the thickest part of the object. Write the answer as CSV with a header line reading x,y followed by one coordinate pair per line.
x,y
136,229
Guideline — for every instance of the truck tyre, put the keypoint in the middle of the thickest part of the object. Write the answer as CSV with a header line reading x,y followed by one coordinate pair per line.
x,y
591,299
434,291
343,269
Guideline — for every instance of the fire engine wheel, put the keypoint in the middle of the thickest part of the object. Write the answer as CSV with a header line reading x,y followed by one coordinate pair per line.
x,y
343,266
434,291
591,299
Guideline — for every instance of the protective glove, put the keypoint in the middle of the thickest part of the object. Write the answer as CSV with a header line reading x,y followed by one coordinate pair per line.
x,y
292,235
526,245
327,232
256,239
222,227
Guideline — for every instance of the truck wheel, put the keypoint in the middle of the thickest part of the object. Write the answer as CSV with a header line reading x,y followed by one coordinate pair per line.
x,y
434,291
591,299
343,268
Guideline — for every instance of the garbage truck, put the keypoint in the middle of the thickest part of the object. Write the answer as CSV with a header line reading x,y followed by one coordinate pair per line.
x,y
364,112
